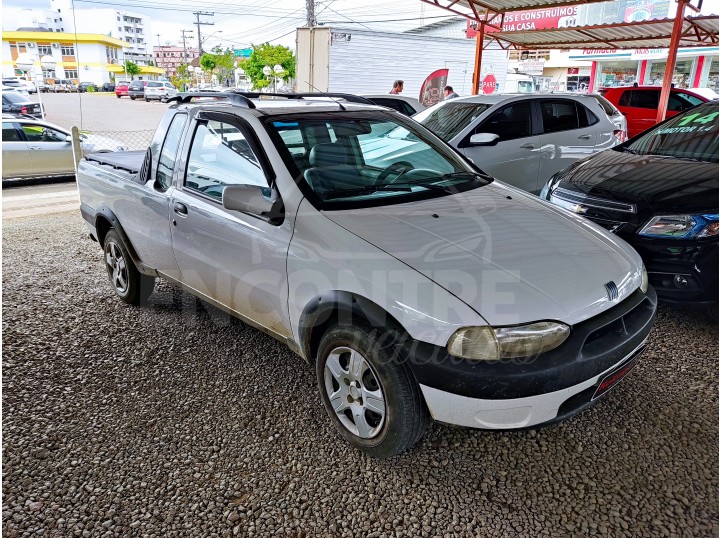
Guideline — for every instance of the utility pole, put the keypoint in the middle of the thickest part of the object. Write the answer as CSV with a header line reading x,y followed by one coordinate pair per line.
x,y
184,37
198,24
310,9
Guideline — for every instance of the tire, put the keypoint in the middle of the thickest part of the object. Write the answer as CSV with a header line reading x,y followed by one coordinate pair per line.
x,y
147,100
118,96
129,284
377,405
132,98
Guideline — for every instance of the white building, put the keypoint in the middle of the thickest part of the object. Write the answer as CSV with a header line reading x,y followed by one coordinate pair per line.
x,y
14,19
133,28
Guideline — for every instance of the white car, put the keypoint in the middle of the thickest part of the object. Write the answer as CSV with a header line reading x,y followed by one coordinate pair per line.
x,y
35,148
22,90
402,103
160,90
524,139
419,288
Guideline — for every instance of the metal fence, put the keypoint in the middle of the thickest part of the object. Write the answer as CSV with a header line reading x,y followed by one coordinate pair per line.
x,y
96,141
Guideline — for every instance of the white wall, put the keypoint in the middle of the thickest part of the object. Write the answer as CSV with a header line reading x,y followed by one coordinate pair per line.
x,y
14,18
370,61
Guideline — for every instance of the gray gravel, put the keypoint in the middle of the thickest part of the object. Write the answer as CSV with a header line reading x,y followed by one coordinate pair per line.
x,y
175,421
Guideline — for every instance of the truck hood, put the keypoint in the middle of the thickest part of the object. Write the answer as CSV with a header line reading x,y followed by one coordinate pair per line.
x,y
510,256
655,184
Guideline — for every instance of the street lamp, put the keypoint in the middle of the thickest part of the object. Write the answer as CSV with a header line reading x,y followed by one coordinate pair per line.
x,y
278,69
267,71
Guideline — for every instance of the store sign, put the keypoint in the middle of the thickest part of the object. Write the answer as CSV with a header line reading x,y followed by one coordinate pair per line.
x,y
649,54
573,70
533,19
531,67
242,53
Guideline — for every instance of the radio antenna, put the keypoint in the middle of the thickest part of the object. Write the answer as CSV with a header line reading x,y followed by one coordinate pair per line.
x,y
338,103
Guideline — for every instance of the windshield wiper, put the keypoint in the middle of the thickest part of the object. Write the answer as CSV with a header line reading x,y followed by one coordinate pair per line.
x,y
460,175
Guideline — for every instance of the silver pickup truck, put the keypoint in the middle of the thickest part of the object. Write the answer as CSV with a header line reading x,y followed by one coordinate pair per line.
x,y
417,287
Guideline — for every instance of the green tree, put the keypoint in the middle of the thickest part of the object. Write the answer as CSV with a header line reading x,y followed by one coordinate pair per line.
x,y
270,55
218,62
183,77
132,68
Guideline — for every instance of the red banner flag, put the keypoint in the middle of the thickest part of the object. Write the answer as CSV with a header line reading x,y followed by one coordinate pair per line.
x,y
431,91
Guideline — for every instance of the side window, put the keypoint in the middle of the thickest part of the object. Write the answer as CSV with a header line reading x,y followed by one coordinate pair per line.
x,y
40,133
680,101
559,115
645,99
220,156
395,104
625,98
168,154
9,133
691,98
586,116
508,123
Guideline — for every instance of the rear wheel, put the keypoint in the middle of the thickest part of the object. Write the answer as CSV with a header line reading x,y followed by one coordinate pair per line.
x,y
129,284
371,397
132,97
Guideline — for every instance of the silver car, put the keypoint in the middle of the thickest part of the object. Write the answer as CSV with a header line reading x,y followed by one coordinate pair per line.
x,y
160,90
523,139
33,148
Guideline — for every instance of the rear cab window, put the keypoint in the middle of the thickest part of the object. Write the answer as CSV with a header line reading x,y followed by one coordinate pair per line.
x,y
169,152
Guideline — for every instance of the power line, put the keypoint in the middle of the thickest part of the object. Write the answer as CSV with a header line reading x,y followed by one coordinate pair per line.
x,y
184,37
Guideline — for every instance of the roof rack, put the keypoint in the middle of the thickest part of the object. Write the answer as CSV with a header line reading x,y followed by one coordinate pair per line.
x,y
234,98
347,96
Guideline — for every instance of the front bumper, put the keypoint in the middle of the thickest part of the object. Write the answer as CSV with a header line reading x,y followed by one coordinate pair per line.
x,y
520,393
681,271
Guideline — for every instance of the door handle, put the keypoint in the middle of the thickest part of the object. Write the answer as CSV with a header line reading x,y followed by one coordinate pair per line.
x,y
180,209
585,137
528,146
35,147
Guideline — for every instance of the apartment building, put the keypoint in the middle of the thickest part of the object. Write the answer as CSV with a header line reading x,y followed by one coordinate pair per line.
x,y
170,57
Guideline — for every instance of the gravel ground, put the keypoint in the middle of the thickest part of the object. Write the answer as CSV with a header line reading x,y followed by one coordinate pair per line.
x,y
175,421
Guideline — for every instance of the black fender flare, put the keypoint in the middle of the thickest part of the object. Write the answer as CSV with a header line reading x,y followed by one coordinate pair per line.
x,y
104,213
332,307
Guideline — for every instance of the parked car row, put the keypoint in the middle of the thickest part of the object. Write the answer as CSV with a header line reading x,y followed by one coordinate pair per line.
x,y
146,89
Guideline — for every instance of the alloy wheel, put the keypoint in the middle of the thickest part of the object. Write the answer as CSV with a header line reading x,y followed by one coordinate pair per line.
x,y
116,267
355,393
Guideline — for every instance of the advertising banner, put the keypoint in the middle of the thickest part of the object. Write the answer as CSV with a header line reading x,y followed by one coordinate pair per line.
x,y
431,91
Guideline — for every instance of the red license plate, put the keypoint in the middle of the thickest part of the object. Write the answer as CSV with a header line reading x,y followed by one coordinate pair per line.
x,y
614,377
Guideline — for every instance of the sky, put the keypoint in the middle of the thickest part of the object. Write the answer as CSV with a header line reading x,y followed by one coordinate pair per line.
x,y
242,23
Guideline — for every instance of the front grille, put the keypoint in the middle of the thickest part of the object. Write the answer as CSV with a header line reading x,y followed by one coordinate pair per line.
x,y
583,199
627,323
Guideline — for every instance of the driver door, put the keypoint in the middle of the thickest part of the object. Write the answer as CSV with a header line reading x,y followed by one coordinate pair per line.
x,y
51,152
233,258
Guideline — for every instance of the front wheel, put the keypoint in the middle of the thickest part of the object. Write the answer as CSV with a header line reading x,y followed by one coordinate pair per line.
x,y
129,284
371,397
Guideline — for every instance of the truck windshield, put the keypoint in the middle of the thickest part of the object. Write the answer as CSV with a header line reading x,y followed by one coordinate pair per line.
x,y
447,119
692,135
368,159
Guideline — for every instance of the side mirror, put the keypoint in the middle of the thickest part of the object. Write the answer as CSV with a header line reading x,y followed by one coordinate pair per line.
x,y
68,138
251,199
484,139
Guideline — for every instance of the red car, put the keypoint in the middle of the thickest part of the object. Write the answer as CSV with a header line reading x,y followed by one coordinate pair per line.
x,y
121,88
639,104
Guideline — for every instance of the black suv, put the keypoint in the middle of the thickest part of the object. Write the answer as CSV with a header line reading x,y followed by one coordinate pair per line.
x,y
85,86
659,192
137,89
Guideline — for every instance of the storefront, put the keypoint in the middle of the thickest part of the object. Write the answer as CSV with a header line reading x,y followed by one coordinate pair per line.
x,y
694,68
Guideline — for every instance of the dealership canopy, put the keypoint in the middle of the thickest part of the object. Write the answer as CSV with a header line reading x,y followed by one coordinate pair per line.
x,y
491,18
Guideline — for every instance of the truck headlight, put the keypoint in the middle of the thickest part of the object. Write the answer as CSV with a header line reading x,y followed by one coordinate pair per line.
x,y
681,226
494,343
